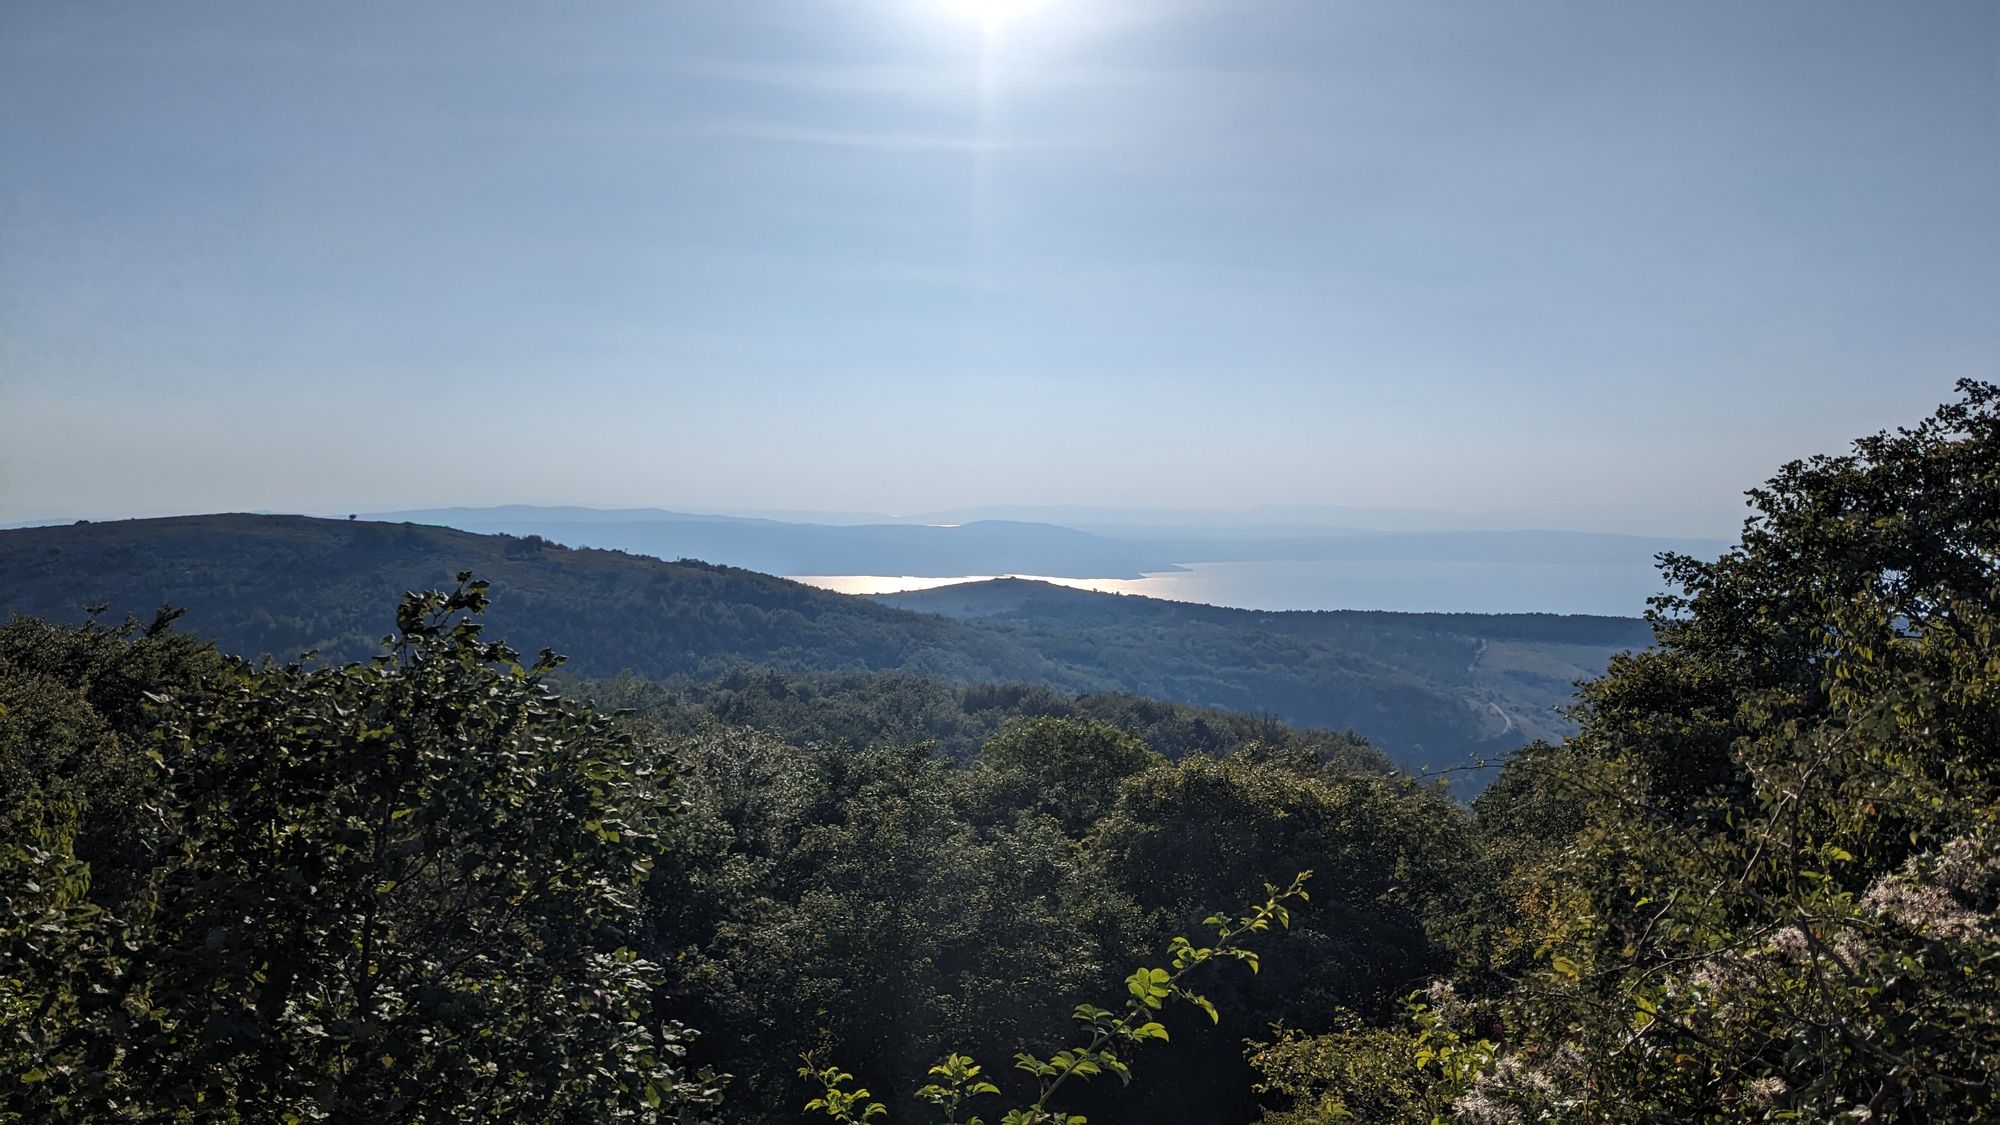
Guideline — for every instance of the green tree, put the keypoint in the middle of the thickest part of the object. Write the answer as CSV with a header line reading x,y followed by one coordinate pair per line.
x,y
1391,868
1773,893
390,891
1906,525
1069,769
1110,1036
845,899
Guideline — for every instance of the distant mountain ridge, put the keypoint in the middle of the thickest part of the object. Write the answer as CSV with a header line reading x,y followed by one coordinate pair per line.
x,y
1429,689
994,545
775,547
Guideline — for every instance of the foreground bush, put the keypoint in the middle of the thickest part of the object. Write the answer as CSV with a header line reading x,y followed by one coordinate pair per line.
x,y
394,891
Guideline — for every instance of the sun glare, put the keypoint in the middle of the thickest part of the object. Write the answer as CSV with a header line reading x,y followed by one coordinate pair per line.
x,y
992,13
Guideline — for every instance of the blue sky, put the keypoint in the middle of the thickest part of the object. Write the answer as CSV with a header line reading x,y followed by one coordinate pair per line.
x,y
1600,265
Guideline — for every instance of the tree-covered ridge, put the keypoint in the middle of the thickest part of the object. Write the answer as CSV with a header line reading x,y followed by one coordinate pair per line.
x,y
1513,676
279,585
861,709
1431,690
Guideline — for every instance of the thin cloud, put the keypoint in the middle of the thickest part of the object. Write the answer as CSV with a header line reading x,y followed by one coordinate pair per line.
x,y
960,81
859,79
779,133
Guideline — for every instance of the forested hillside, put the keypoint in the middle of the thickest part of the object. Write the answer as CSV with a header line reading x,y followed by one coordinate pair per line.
x,y
857,710
283,584
1761,882
1520,668
1431,690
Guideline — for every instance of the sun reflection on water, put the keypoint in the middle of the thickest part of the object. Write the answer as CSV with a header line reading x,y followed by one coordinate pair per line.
x,y
870,584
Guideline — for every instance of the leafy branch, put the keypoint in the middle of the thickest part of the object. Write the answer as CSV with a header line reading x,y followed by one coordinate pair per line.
x,y
1109,1031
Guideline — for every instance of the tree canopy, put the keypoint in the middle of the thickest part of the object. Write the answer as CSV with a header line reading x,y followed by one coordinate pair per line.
x,y
399,890
1760,883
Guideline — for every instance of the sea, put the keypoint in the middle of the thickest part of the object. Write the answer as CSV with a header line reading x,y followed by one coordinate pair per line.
x,y
1610,589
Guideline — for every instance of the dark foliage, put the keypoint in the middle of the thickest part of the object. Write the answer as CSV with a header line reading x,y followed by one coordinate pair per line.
x,y
388,891
862,709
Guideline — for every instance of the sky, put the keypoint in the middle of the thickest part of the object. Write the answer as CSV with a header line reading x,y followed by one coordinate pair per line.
x,y
1587,265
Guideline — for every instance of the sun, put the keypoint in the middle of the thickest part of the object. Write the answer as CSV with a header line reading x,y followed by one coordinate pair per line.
x,y
992,13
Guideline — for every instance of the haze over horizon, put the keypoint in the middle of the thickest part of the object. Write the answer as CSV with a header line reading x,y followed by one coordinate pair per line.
x,y
1248,518
1573,266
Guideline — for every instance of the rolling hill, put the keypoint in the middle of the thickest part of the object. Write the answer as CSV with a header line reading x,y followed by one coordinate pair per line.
x,y
1429,689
